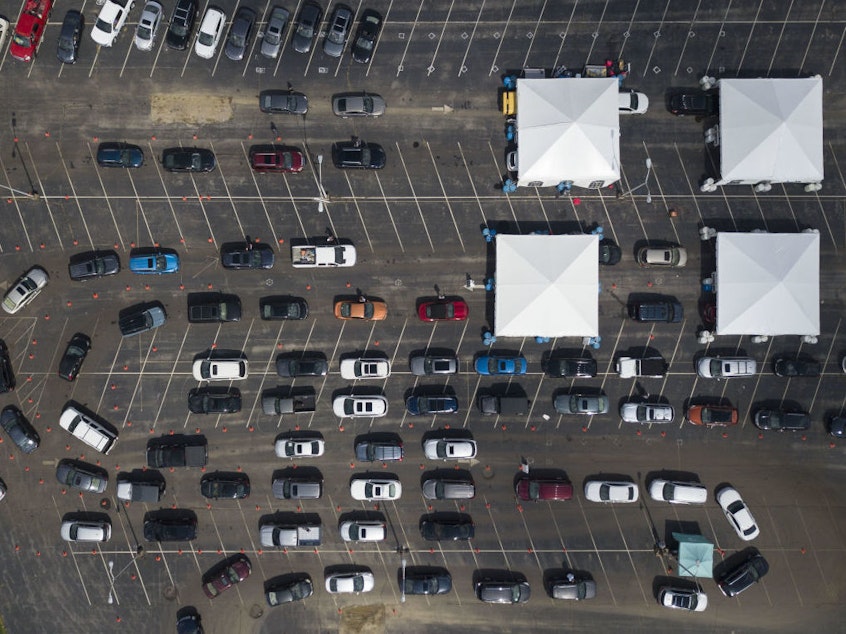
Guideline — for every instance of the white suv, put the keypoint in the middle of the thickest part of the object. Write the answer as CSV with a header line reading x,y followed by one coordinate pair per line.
x,y
211,30
85,531
110,21
220,369
646,413
725,367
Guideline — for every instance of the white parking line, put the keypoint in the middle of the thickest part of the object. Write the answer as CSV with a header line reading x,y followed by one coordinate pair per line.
x,y
416,200
496,531
656,36
749,37
693,196
462,67
82,582
45,198
781,35
507,196
721,33
106,197
501,38
596,550
401,65
532,550
140,376
431,67
126,59
75,199
534,32
358,211
690,34
261,200
446,198
597,29
388,209
168,197
170,377
139,209
470,180
837,49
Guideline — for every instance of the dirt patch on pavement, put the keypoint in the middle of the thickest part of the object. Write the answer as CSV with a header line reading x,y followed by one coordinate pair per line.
x,y
363,619
189,108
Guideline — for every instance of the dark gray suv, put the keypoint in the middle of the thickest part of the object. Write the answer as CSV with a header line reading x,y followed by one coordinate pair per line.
x,y
371,449
308,23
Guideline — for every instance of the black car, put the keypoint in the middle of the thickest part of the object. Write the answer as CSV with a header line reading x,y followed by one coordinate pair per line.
x,y
444,527
283,307
609,253
119,154
161,527
576,368
283,102
366,36
189,622
425,580
697,103
246,255
781,420
233,486
308,24
20,430
69,36
7,377
188,159
181,24
74,355
746,573
307,364
837,426
288,589
356,154
141,318
210,400
787,366
659,309
93,264
240,33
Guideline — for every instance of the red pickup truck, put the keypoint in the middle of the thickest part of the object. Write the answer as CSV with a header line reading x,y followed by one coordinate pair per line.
x,y
30,28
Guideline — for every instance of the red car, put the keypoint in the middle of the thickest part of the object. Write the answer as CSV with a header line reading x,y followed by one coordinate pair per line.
x,y
443,310
535,489
275,158
29,29
223,578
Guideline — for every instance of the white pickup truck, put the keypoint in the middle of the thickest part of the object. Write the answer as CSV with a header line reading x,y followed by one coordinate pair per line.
x,y
311,255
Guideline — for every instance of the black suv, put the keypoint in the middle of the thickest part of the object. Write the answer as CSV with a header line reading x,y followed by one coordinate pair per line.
x,y
781,420
141,318
283,307
74,355
358,155
211,400
188,159
159,527
659,309
787,366
214,307
246,255
7,377
93,264
447,526
181,23
696,102
580,368
306,364
735,580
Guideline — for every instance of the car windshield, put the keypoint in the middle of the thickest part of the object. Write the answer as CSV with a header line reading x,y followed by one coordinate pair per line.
x,y
144,32
103,26
287,160
735,507
206,39
440,311
716,415
716,367
236,39
306,30
364,42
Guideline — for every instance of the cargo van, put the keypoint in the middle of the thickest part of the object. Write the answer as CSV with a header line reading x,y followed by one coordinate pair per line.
x,y
504,405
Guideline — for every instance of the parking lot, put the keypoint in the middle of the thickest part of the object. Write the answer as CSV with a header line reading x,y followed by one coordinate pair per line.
x,y
417,227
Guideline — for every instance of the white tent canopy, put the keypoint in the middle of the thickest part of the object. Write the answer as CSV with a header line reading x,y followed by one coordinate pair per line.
x,y
768,284
771,130
547,286
569,130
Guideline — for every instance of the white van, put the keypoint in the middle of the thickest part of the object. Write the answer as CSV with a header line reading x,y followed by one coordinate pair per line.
x,y
726,367
678,492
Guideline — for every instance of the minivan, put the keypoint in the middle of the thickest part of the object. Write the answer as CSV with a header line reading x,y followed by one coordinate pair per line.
x,y
371,450
448,489
677,492
288,488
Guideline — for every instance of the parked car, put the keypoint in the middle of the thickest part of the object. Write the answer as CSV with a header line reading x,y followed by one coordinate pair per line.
x,y
306,364
110,21
428,404
211,30
609,253
223,369
674,492
358,155
726,367
148,26
579,368
87,427
19,429
690,599
367,310
369,489
358,104
790,367
276,158
223,577
837,426
362,531
7,375
160,527
782,420
25,289
289,487
119,154
535,489
308,24
67,49
74,355
350,582
646,413
188,159
696,103
363,368
737,513
224,485
338,30
291,446
74,530
290,589
181,24
631,102
422,580
374,449
93,264
207,400
493,364
246,255
5,27
153,261
449,448
743,575
611,491
443,310
662,309
141,318
571,586
354,406
447,527
283,102
273,33
449,488
509,589
283,307
590,404
366,36
428,364
712,415
240,33
662,256
81,476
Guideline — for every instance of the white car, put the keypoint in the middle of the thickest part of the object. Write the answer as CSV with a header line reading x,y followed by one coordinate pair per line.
x,y
360,406
646,413
375,489
365,368
449,448
631,102
611,491
738,513
366,531
220,369
148,26
110,21
86,531
211,30
693,600
674,257
348,582
300,448
677,492
726,367
25,290
4,32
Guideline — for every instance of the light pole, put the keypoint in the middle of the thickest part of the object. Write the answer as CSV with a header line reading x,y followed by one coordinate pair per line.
x,y
139,553
321,191
404,562
645,183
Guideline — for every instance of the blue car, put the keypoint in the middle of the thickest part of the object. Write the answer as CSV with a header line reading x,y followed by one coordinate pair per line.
x,y
154,262
490,364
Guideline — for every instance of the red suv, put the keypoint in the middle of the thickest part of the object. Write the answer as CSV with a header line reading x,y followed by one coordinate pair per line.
x,y
274,158
535,489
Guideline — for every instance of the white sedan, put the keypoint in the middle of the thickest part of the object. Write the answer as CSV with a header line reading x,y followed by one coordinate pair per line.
x,y
375,489
364,531
365,368
350,406
690,599
611,491
211,30
26,289
110,21
738,513
646,413
449,448
349,582
299,447
148,26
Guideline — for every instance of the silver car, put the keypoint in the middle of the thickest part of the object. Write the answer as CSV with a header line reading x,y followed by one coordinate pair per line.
x,y
148,26
272,41
423,365
339,30
358,104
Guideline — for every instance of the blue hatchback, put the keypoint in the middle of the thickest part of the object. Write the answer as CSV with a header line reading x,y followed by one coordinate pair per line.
x,y
154,262
491,364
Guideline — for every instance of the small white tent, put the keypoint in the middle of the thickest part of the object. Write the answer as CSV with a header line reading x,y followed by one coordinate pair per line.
x,y
771,130
568,130
547,286
768,284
